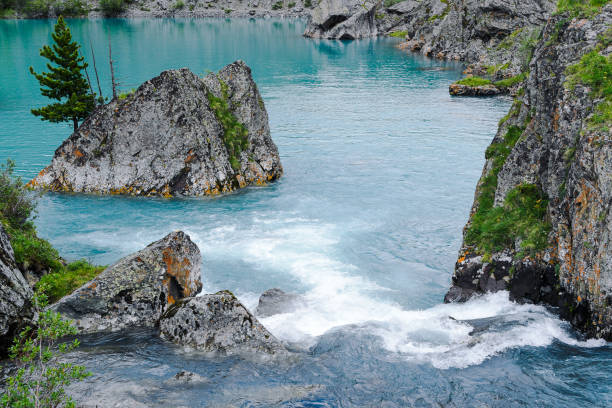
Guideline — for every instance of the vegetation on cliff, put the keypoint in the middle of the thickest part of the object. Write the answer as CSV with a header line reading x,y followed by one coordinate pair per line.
x,y
235,135
17,209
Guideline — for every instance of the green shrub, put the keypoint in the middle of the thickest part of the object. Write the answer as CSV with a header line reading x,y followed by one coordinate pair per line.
x,y
71,8
68,279
291,5
277,6
17,204
125,94
235,135
42,8
179,5
112,7
473,81
32,252
400,34
41,375
308,3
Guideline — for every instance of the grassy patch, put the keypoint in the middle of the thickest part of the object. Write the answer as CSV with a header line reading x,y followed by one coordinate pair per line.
x,y
510,39
124,95
473,81
595,71
400,34
179,5
69,278
440,16
389,3
510,82
235,135
580,8
112,7
277,6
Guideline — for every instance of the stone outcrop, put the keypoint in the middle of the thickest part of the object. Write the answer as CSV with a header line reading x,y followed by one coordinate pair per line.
x,y
343,19
138,289
558,151
466,90
275,301
217,323
15,295
177,134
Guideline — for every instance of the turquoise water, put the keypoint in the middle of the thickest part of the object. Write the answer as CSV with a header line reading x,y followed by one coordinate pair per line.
x,y
380,169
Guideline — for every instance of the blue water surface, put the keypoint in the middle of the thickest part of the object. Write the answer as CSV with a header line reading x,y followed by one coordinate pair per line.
x,y
380,170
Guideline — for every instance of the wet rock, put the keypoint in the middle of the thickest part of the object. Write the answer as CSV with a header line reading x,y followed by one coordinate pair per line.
x,y
15,295
275,301
466,90
569,160
343,19
217,323
166,139
135,291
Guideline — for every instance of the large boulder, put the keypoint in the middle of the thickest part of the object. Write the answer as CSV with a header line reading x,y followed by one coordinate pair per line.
x,y
137,289
15,295
177,134
217,323
343,19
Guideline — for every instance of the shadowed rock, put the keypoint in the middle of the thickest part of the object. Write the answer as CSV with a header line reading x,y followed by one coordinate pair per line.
x,y
137,289
217,323
177,134
343,19
15,295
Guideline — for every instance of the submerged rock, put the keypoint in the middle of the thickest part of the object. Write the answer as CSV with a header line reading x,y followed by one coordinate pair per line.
x,y
135,291
553,157
177,134
217,323
275,301
343,19
15,295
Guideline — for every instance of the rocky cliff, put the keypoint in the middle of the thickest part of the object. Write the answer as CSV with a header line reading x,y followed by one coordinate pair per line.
x,y
15,296
177,134
541,225
495,36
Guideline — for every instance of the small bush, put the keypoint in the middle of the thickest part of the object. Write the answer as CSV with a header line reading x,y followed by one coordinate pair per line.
x,y
71,8
112,7
510,82
291,5
42,8
179,5
277,6
473,81
308,3
68,279
17,204
124,95
400,34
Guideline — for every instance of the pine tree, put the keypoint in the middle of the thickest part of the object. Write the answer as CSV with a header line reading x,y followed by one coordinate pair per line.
x,y
64,82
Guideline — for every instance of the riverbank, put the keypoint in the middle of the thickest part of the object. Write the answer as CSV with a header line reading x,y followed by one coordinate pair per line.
x,y
165,9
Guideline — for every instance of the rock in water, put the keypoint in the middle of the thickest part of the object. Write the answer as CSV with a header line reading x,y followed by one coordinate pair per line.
x,y
177,134
275,301
343,19
217,323
137,289
15,295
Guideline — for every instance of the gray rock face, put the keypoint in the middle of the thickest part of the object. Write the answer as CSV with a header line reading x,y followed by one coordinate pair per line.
x,y
166,139
137,289
275,301
343,19
217,323
15,295
570,161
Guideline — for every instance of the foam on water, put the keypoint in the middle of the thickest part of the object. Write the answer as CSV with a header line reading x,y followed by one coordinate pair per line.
x,y
337,294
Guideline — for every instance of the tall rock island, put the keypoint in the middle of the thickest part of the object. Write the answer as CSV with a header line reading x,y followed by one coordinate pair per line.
x,y
177,134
